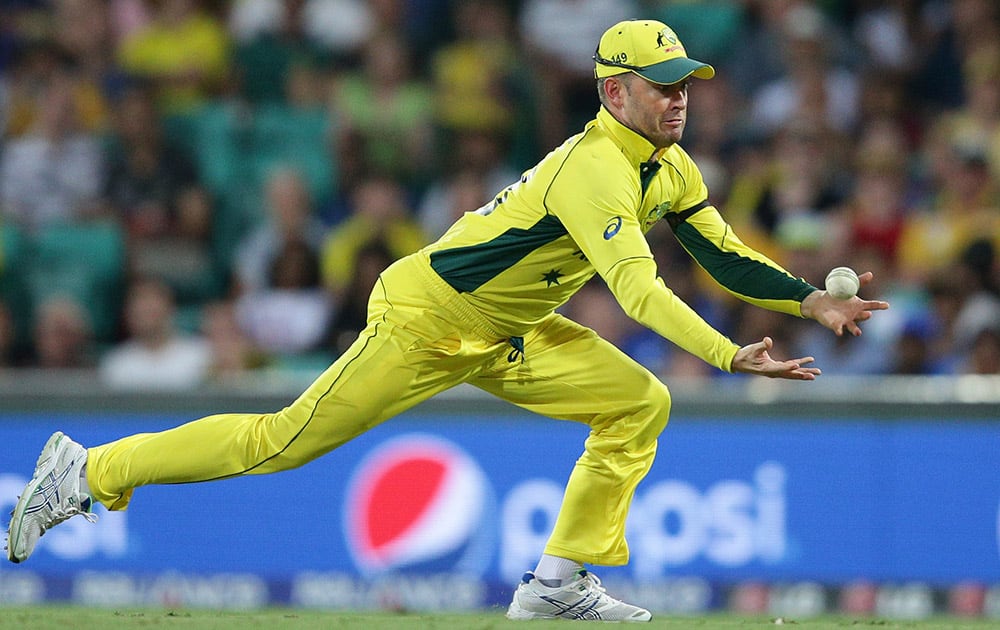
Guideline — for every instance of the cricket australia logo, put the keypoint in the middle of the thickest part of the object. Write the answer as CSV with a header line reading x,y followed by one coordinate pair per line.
x,y
667,40
656,214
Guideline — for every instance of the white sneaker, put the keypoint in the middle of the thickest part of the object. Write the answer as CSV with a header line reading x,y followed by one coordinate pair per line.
x,y
583,598
52,496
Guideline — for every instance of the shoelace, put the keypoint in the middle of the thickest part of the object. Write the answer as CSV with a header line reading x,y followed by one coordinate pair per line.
x,y
60,515
594,584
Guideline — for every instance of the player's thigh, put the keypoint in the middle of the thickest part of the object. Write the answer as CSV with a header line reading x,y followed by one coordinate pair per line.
x,y
404,356
570,372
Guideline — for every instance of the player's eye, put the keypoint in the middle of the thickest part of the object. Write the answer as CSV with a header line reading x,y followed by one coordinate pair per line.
x,y
680,86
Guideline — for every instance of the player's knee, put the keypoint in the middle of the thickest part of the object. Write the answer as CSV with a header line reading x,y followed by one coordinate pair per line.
x,y
644,423
658,405
640,417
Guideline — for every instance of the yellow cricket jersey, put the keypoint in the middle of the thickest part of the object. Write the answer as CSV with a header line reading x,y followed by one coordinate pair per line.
x,y
586,208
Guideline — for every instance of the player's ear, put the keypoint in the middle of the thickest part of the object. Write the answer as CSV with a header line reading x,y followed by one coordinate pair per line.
x,y
613,89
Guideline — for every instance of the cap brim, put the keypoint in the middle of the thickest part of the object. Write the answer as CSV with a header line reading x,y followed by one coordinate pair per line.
x,y
676,70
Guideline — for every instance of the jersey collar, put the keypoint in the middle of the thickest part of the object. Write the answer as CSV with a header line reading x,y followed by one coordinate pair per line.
x,y
635,147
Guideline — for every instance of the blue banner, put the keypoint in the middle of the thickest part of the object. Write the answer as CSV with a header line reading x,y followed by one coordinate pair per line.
x,y
828,500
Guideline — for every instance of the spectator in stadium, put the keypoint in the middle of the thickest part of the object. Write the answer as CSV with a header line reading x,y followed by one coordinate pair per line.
x,y
154,190
447,199
83,30
290,314
290,217
351,315
877,204
913,353
146,171
156,354
476,167
951,32
233,354
184,256
478,306
962,205
37,62
791,189
62,336
816,86
385,116
558,37
380,212
977,122
8,337
52,173
975,272
984,357
271,38
184,50
474,76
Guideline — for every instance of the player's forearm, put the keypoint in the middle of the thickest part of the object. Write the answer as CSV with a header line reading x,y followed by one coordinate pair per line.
x,y
647,300
741,270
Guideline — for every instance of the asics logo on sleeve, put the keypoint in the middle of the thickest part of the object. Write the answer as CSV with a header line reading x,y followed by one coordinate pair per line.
x,y
612,228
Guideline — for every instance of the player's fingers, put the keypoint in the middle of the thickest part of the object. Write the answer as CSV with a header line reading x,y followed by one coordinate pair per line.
x,y
759,349
800,373
866,277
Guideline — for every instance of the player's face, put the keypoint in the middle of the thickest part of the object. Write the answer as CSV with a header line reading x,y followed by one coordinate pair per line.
x,y
658,112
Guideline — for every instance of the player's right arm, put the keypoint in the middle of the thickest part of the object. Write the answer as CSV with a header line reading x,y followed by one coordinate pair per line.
x,y
602,220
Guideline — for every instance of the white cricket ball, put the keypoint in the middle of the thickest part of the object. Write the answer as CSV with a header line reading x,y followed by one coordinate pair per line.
x,y
842,283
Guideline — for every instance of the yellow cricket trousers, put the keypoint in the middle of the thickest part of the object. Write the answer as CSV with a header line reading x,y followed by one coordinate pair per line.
x,y
423,338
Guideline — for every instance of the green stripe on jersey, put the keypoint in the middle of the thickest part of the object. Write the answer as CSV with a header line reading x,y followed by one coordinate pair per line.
x,y
740,274
470,267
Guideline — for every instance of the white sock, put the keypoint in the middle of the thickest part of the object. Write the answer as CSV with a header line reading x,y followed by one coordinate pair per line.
x,y
554,571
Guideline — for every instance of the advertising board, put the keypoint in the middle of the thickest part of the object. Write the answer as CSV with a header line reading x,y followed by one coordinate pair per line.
x,y
424,499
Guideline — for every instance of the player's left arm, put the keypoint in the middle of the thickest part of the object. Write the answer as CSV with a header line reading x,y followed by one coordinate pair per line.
x,y
739,269
755,278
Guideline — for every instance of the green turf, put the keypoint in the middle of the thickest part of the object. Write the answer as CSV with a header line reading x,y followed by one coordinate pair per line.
x,y
75,618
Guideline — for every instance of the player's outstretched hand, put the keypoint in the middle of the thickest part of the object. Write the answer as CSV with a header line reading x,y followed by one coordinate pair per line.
x,y
754,359
841,315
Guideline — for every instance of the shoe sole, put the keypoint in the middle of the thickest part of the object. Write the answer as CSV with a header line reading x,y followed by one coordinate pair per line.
x,y
521,614
43,467
516,613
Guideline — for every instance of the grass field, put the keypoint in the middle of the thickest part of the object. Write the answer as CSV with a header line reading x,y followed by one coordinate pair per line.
x,y
75,618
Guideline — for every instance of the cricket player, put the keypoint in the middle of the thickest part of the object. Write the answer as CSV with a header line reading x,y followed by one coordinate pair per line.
x,y
479,306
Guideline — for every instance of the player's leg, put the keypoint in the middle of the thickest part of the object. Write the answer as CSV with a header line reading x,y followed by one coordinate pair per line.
x,y
405,355
409,351
366,385
570,373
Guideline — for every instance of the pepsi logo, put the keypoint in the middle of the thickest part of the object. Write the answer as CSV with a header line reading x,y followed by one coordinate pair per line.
x,y
419,502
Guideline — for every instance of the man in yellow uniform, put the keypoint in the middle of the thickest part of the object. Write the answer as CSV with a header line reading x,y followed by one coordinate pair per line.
x,y
478,306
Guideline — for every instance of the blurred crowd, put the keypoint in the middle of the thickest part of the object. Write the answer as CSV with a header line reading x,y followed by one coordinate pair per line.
x,y
191,191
